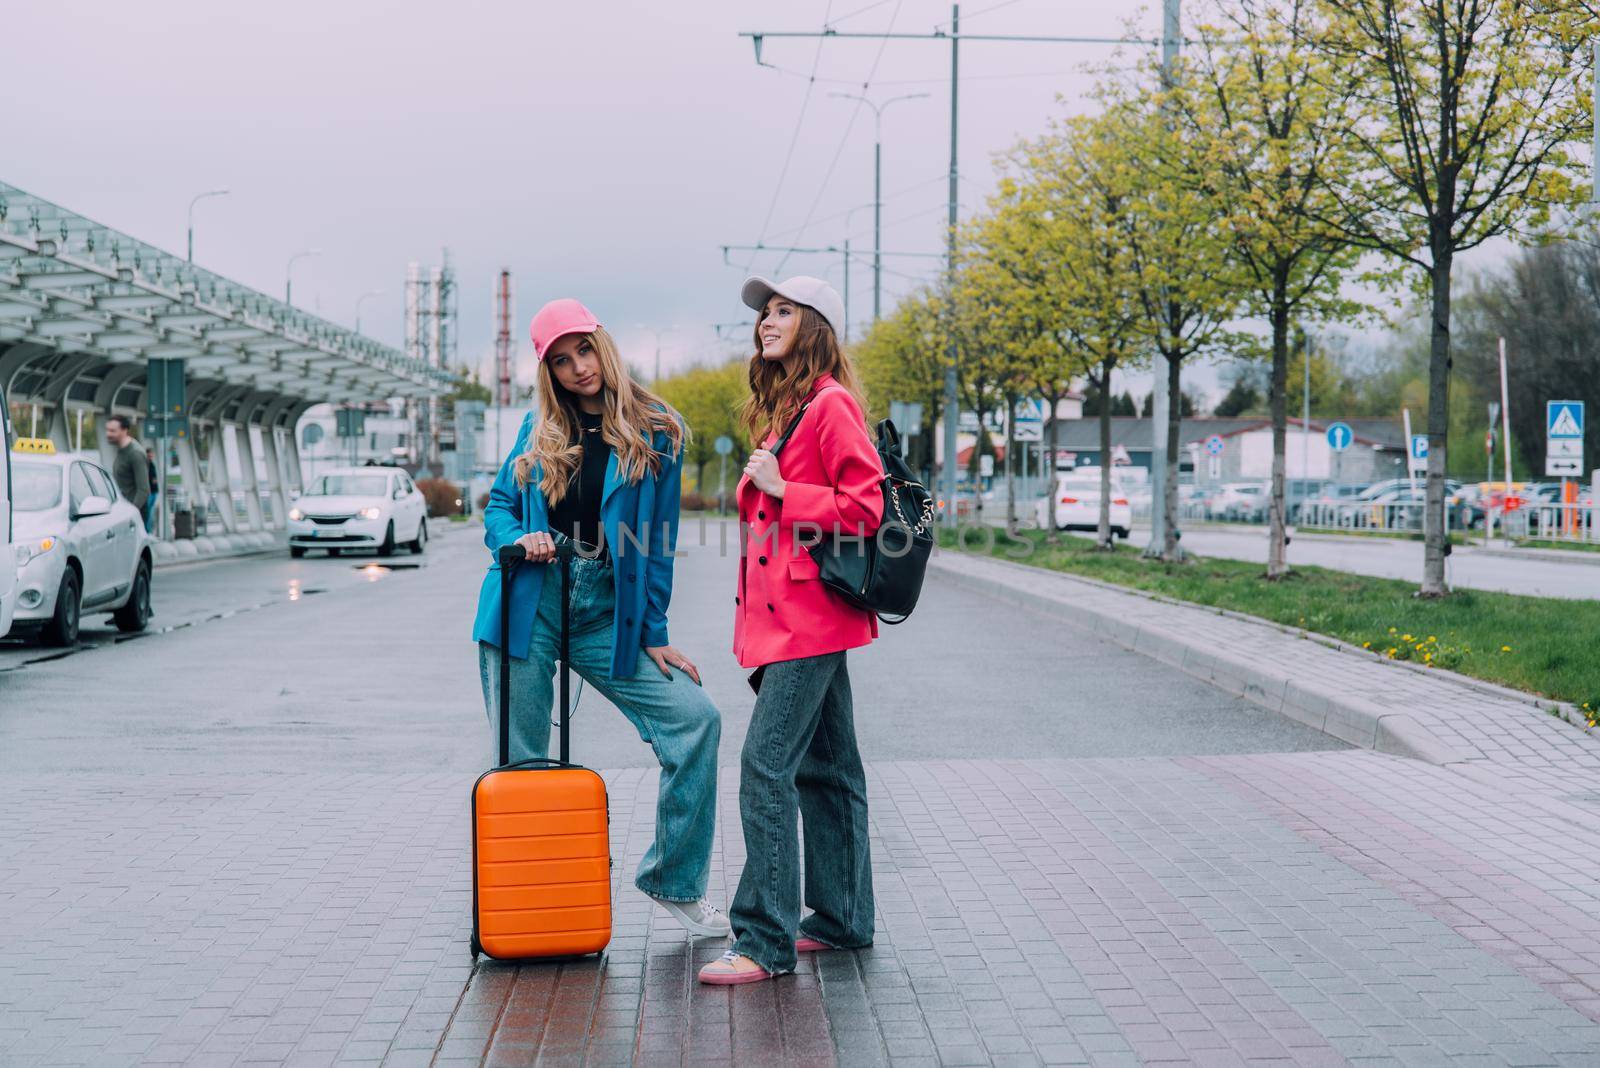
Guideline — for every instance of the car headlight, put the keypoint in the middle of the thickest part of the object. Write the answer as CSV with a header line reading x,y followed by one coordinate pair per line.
x,y
29,549
370,513
296,514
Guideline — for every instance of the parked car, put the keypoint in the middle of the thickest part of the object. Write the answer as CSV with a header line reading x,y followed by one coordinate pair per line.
x,y
1239,501
80,547
1466,504
359,508
1076,502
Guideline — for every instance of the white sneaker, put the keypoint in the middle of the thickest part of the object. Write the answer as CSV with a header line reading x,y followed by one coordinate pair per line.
x,y
700,918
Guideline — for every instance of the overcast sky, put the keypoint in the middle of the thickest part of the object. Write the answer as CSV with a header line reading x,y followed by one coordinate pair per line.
x,y
599,149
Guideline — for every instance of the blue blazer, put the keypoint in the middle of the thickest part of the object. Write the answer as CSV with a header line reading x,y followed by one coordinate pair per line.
x,y
647,511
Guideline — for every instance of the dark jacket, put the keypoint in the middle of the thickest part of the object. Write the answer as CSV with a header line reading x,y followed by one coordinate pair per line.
x,y
131,469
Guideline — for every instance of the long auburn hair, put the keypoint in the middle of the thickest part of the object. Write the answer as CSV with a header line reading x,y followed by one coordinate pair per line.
x,y
631,416
778,386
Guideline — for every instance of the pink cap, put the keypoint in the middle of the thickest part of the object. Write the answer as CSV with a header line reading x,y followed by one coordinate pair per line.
x,y
558,319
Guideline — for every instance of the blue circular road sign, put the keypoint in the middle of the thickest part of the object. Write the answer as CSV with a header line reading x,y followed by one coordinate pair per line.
x,y
723,445
1340,436
1214,445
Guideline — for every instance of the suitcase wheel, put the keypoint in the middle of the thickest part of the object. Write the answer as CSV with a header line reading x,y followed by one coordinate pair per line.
x,y
476,948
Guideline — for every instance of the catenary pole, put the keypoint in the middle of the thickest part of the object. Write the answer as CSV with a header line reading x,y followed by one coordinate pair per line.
x,y
951,413
952,405
1159,401
1305,425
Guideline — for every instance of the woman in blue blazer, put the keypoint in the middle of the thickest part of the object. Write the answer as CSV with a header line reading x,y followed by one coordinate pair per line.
x,y
600,464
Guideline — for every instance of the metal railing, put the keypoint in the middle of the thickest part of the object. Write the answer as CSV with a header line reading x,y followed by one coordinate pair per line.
x,y
1398,517
1552,521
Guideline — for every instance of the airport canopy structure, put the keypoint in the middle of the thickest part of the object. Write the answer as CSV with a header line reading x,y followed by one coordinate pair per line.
x,y
84,308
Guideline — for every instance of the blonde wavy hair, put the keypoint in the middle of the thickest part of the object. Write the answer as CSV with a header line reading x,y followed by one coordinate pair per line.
x,y
778,386
628,424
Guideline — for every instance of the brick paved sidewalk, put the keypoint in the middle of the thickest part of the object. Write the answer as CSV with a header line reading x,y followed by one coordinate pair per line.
x,y
1305,908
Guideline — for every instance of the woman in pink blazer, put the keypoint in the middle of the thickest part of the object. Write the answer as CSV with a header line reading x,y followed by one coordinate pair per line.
x,y
800,756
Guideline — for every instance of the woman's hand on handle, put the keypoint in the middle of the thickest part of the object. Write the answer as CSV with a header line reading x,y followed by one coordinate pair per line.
x,y
666,658
540,546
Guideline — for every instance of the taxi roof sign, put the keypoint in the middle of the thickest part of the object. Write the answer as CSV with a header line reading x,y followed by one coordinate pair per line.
x,y
38,446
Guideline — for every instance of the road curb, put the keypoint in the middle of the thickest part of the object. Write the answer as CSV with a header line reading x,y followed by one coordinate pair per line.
x,y
1560,556
1348,718
216,547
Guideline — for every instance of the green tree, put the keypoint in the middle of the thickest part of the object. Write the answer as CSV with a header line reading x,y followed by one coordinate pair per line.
x,y
901,358
708,398
1478,113
1270,117
1546,305
1182,256
1242,398
1001,345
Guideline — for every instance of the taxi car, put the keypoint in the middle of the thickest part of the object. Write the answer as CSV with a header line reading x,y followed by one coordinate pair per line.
x,y
79,546
359,508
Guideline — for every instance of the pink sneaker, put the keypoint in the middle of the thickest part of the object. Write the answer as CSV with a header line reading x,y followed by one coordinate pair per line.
x,y
725,971
806,944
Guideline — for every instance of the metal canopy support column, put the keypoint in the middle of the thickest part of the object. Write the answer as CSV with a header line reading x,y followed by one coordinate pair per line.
x,y
220,482
270,454
243,420
217,478
291,421
191,477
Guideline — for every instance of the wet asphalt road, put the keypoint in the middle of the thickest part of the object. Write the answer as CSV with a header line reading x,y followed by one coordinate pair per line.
x,y
363,664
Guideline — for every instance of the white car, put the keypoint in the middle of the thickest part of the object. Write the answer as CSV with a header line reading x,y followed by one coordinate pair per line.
x,y
1239,500
359,508
1077,505
80,547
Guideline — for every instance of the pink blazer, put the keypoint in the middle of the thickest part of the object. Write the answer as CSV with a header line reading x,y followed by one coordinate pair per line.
x,y
782,611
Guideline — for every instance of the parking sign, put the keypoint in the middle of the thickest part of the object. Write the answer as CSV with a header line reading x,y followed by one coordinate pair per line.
x,y
1418,458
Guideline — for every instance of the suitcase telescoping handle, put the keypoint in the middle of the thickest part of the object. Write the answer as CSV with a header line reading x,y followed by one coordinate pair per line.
x,y
509,558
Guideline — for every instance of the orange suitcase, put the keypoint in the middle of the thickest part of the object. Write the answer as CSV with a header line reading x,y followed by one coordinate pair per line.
x,y
541,850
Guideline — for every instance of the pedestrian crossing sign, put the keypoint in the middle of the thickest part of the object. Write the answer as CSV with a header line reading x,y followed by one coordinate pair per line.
x,y
1563,422
1564,419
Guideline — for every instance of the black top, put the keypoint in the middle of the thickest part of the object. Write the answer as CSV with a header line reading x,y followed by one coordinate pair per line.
x,y
577,515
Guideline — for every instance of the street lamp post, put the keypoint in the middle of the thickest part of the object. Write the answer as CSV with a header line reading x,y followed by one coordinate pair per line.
x,y
877,190
199,197
362,297
288,272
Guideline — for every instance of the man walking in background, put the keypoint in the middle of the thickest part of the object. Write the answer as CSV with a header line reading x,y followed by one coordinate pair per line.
x,y
130,467
155,491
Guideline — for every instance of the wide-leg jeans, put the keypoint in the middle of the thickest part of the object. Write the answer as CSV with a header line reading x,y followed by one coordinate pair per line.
x,y
800,759
673,715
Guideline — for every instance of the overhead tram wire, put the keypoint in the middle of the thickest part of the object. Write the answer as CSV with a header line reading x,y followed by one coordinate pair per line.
x,y
853,14
844,137
794,138
841,214
1168,41
979,13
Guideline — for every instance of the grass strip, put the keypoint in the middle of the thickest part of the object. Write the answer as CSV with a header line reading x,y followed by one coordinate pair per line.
x,y
1540,645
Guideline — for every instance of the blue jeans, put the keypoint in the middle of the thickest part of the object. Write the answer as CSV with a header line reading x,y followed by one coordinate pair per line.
x,y
800,759
673,715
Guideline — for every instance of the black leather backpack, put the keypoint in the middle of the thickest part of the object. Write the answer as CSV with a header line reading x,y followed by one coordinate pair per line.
x,y
881,573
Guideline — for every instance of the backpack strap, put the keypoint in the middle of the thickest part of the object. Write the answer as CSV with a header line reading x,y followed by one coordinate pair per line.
x,y
794,424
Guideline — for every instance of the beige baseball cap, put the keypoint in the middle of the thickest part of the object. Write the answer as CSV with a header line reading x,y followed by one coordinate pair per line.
x,y
814,293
